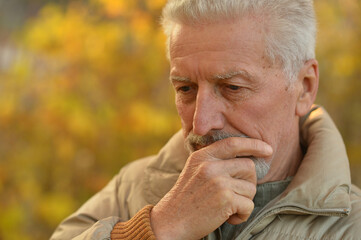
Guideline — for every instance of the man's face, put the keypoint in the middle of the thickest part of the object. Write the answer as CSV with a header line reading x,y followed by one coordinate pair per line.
x,y
223,81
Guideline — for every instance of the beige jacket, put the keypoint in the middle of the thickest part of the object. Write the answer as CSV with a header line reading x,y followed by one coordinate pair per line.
x,y
319,203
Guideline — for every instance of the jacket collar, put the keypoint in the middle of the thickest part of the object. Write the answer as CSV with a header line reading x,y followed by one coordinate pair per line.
x,y
163,171
321,182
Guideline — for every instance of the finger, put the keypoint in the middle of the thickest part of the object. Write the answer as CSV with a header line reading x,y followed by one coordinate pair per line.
x,y
235,220
239,168
243,188
244,210
237,147
245,185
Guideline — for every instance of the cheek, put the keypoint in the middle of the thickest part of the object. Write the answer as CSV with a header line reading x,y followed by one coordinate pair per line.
x,y
278,104
185,112
277,118
266,118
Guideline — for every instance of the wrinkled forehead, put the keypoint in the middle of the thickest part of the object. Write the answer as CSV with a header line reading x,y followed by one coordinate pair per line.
x,y
241,35
221,48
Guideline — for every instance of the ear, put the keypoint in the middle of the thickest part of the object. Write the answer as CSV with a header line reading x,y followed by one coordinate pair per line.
x,y
308,85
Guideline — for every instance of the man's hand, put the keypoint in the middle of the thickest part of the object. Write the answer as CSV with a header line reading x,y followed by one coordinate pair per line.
x,y
210,191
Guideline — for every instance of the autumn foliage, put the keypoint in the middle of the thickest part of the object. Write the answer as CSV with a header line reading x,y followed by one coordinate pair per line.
x,y
84,90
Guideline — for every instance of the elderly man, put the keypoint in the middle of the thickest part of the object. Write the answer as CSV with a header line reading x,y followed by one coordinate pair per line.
x,y
261,162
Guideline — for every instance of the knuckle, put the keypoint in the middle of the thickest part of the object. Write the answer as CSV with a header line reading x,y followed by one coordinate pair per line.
x,y
226,212
250,167
195,157
201,155
252,189
227,195
205,169
227,203
249,207
252,174
250,164
231,143
248,170
218,183
225,198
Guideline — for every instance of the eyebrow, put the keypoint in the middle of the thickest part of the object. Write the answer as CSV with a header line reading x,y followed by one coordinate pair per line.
x,y
225,76
179,79
222,76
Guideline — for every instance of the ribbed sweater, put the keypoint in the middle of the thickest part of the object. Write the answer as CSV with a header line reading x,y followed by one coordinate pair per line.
x,y
138,227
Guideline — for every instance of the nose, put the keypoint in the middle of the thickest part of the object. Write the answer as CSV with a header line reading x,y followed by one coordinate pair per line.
x,y
208,113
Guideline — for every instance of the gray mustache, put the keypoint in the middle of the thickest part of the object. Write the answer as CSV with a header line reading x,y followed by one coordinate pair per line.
x,y
195,142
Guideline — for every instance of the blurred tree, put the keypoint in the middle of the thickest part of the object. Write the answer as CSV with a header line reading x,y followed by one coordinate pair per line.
x,y
88,94
84,90
339,54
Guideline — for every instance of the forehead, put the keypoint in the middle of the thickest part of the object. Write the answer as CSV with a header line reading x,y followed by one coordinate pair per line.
x,y
228,44
243,34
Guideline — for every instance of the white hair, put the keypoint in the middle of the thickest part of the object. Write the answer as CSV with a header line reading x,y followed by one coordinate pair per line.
x,y
289,25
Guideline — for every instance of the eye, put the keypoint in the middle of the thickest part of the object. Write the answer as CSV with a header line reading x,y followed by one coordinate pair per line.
x,y
233,87
186,93
184,89
233,91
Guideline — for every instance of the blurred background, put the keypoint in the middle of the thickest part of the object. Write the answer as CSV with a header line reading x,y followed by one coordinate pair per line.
x,y
84,90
